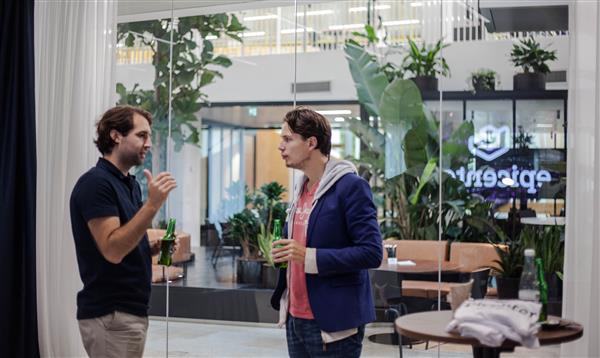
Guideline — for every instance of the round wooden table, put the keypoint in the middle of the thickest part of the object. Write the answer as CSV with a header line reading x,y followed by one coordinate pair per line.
x,y
421,269
431,326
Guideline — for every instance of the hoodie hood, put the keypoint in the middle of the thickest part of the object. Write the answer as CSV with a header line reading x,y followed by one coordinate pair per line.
x,y
334,170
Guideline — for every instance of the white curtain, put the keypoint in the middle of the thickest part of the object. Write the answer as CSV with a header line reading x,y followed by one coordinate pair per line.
x,y
74,78
582,250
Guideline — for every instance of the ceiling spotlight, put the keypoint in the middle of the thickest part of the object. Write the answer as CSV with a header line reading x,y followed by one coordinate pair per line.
x,y
508,181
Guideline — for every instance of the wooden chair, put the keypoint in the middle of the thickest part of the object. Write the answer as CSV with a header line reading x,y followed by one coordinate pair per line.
x,y
418,250
476,259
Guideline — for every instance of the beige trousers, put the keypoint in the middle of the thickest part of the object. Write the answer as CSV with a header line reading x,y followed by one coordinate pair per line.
x,y
115,335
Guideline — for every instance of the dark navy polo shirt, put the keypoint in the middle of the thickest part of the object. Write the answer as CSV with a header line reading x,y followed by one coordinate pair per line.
x,y
101,192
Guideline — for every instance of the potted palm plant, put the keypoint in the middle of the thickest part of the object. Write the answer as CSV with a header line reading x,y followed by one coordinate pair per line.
x,y
425,63
483,80
529,55
248,228
244,227
269,205
510,266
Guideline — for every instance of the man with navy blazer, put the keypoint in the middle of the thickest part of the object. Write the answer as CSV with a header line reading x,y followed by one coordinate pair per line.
x,y
333,238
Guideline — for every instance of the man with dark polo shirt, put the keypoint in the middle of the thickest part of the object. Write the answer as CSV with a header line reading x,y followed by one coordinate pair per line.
x,y
109,223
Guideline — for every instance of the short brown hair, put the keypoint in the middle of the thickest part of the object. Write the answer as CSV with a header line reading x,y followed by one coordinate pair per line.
x,y
119,118
309,123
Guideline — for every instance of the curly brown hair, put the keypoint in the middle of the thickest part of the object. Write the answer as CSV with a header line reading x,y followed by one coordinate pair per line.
x,y
119,118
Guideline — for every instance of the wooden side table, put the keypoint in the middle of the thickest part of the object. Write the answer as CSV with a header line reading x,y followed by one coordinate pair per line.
x,y
431,326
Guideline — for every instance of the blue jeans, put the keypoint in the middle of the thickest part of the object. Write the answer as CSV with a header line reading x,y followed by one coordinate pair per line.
x,y
304,340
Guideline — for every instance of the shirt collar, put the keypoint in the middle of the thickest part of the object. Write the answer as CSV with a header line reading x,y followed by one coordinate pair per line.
x,y
110,167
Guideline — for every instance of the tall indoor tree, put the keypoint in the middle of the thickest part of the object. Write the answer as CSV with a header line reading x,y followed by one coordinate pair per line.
x,y
194,66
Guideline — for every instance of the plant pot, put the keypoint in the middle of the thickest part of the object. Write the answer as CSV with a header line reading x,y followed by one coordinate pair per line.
x,y
480,85
426,83
508,287
555,287
270,275
529,82
249,271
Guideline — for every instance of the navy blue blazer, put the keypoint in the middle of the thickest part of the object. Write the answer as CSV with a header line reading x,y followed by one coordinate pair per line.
x,y
343,228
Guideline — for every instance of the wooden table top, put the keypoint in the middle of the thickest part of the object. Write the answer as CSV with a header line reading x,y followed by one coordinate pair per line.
x,y
431,326
421,266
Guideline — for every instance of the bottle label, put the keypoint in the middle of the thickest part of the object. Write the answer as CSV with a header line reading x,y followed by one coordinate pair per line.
x,y
529,295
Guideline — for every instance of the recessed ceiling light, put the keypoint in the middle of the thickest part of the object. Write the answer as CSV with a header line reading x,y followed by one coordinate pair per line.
x,y
364,8
508,181
346,26
316,12
401,22
261,17
291,31
253,34
339,119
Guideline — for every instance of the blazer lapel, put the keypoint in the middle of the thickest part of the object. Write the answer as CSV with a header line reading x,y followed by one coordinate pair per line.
x,y
314,214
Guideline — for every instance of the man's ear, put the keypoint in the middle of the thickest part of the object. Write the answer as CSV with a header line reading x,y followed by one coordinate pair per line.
x,y
312,142
115,136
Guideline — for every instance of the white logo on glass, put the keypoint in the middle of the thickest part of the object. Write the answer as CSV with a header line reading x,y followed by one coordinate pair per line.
x,y
490,142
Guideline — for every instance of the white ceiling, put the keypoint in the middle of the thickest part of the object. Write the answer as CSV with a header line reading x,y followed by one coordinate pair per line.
x,y
140,10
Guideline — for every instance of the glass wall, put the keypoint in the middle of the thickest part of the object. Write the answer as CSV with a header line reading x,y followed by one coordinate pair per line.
x,y
449,165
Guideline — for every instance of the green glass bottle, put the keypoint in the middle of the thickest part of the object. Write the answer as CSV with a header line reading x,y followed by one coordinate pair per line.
x,y
166,244
543,290
277,236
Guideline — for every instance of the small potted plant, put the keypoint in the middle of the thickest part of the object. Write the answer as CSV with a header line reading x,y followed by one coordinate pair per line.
x,y
529,55
510,266
483,80
249,226
425,64
244,228
549,246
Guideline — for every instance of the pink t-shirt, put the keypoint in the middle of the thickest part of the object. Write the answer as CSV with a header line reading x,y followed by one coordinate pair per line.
x,y
299,305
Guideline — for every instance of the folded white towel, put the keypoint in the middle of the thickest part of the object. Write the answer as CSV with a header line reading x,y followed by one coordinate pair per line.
x,y
484,334
487,320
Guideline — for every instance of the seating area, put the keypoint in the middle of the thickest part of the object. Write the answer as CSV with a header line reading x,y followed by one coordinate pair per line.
x,y
475,261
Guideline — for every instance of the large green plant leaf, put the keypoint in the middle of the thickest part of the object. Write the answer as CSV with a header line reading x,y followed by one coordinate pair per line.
x,y
401,107
368,135
401,103
369,81
425,177
455,150
415,147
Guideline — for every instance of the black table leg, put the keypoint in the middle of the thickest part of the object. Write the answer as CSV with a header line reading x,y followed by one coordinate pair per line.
x,y
489,352
486,352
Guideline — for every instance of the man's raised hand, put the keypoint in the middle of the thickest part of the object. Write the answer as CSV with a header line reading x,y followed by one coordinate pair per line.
x,y
159,187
